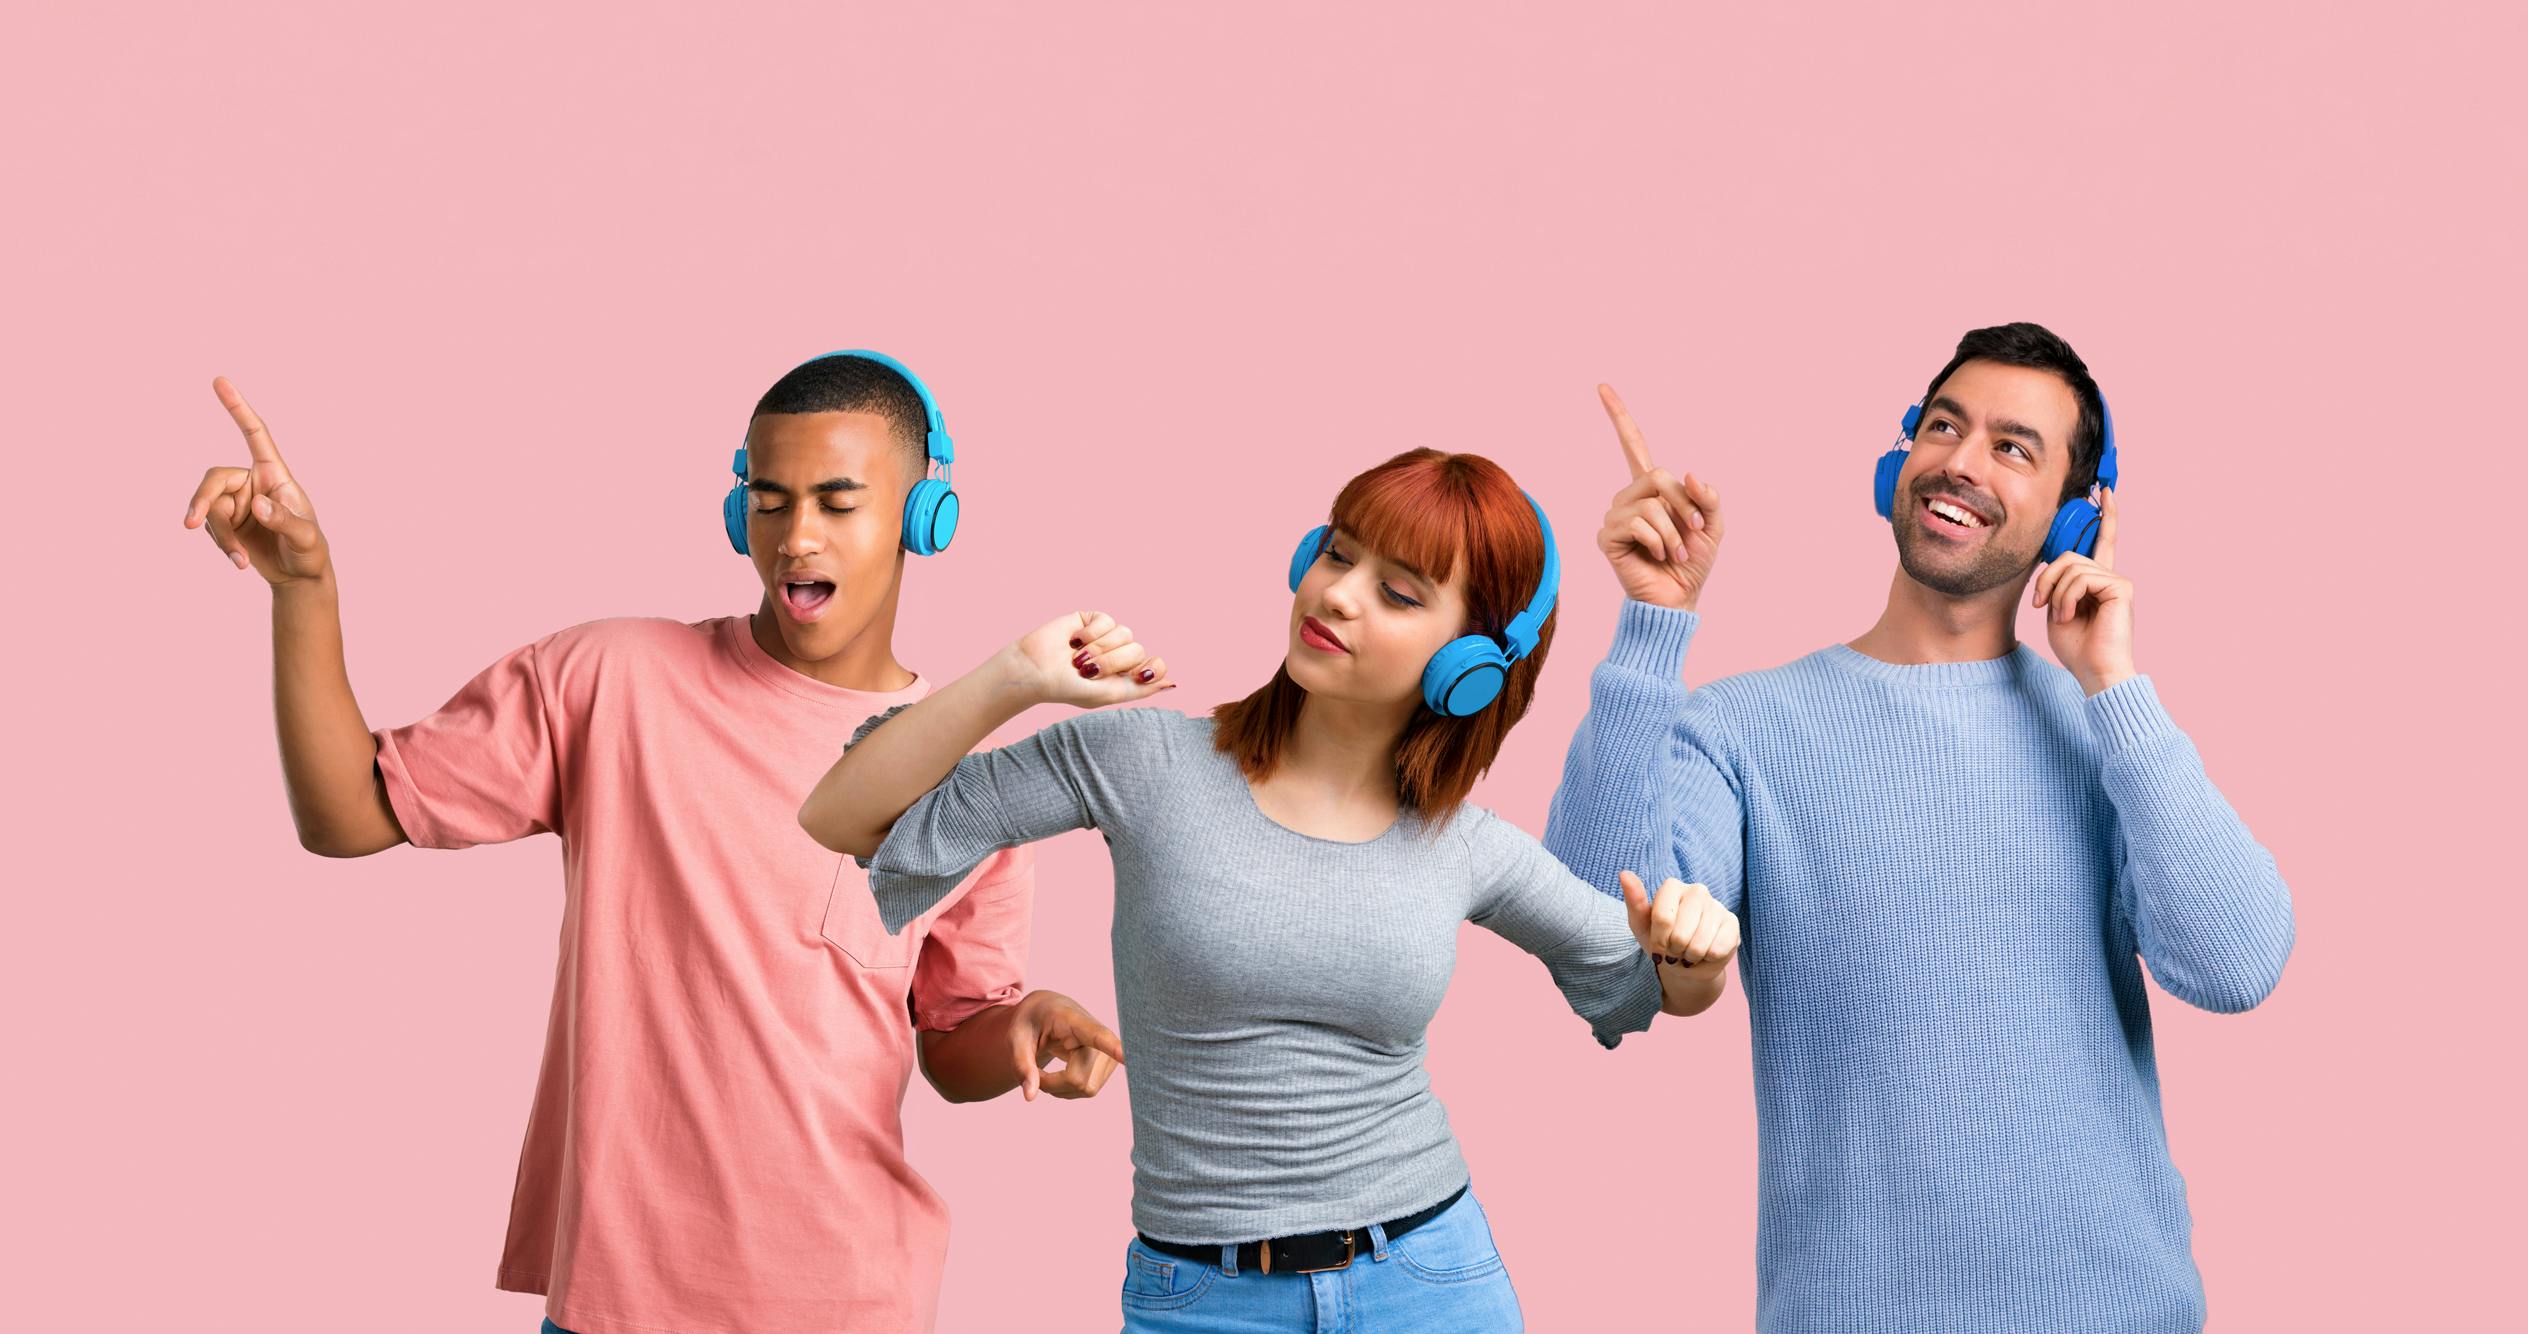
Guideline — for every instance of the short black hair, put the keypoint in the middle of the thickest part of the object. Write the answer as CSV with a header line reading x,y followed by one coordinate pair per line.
x,y
852,384
2038,348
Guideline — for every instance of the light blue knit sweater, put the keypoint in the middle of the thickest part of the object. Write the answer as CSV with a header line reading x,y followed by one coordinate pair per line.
x,y
1949,877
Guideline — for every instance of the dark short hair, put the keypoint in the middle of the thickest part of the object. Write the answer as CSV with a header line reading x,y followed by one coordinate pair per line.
x,y
2037,348
852,384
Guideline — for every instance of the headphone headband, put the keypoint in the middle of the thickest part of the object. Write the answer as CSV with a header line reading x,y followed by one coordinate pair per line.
x,y
930,504
935,441
1519,636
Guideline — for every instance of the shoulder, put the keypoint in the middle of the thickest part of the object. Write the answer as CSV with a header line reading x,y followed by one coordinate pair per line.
x,y
2046,680
1490,841
1131,730
1727,707
622,640
594,658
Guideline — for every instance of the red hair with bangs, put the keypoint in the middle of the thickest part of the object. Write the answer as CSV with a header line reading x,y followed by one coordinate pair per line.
x,y
1426,509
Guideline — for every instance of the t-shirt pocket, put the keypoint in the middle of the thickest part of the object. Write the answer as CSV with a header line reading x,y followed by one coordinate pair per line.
x,y
852,926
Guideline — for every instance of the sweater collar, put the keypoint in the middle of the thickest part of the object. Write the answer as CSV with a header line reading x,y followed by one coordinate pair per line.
x,y
2008,667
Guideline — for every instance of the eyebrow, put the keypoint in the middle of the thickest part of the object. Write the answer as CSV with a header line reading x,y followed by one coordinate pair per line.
x,y
1426,581
1999,425
828,486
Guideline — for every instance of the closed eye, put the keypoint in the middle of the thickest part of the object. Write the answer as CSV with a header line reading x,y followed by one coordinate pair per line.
x,y
1401,600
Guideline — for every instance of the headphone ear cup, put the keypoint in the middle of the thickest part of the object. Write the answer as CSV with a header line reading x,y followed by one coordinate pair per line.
x,y
1306,555
733,516
1464,676
1883,482
2075,529
930,517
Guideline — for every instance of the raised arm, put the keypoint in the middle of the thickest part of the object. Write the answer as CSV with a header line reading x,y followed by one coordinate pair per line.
x,y
1082,658
261,518
1643,787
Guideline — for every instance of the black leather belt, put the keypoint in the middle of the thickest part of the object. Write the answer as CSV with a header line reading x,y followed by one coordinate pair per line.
x,y
1312,1253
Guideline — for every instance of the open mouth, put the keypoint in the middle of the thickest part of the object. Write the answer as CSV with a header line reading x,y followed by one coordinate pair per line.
x,y
805,596
1312,632
1942,514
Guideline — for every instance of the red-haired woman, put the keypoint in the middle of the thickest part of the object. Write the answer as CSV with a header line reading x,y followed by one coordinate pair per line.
x,y
1290,874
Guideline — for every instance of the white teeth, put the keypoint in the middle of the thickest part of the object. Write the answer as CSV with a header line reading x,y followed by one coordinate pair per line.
x,y
1955,514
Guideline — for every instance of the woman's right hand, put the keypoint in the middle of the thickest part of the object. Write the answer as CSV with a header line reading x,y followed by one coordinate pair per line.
x,y
1085,658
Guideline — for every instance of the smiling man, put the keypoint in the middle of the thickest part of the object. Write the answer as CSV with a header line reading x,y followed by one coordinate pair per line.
x,y
716,1141
1952,859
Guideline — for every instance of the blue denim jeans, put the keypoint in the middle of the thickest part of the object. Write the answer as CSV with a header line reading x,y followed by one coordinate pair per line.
x,y
551,1328
1444,1275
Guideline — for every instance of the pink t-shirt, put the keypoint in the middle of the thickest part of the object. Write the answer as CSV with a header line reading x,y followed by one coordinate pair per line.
x,y
717,1142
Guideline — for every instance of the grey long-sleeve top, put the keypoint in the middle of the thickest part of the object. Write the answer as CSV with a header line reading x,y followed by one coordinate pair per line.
x,y
1272,989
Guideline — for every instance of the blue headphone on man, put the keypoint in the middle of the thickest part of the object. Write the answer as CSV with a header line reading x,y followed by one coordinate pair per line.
x,y
2075,527
1467,674
930,508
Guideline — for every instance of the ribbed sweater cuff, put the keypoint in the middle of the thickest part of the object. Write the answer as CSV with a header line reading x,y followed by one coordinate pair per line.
x,y
1652,639
2127,714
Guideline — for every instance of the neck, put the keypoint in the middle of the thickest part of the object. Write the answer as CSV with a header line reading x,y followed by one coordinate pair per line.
x,y
1346,747
1923,625
866,663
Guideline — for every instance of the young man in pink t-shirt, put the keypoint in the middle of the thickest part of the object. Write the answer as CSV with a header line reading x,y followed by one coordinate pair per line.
x,y
716,1142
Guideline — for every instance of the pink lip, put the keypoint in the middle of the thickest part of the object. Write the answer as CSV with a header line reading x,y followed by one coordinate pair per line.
x,y
1312,632
805,611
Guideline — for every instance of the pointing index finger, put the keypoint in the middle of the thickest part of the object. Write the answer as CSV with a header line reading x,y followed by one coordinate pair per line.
x,y
1636,449
258,440
2104,551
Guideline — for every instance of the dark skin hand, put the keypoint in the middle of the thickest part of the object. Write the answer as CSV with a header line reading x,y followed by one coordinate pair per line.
x,y
1010,1047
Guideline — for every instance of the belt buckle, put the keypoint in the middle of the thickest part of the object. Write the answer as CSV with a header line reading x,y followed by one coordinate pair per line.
x,y
1349,1250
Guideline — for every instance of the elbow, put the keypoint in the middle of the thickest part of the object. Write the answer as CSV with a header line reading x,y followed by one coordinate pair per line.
x,y
832,836
326,841
2235,995
952,1094
2240,987
946,1092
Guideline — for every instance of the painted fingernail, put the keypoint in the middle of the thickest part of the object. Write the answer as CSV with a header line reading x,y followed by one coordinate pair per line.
x,y
1089,670
1144,677
1080,659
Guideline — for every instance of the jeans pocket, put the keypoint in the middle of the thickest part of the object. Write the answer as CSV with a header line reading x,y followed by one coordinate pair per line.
x,y
1456,1247
1155,1282
851,924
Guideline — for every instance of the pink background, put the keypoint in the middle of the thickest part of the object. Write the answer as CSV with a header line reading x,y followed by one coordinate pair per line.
x,y
505,280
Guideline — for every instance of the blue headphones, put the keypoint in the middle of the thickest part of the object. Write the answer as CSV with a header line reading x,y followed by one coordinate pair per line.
x,y
1468,672
2075,524
930,508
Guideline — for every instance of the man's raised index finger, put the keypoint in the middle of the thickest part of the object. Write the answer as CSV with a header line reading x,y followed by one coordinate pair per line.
x,y
258,440
1636,449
